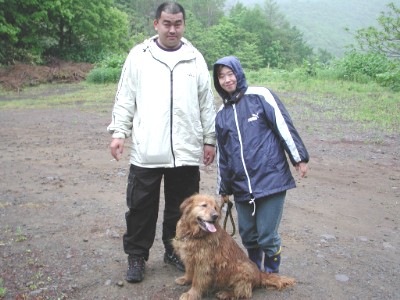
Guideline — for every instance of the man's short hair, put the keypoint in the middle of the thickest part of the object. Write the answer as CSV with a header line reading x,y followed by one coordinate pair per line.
x,y
170,8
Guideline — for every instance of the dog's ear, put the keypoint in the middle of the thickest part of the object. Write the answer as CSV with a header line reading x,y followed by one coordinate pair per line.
x,y
187,202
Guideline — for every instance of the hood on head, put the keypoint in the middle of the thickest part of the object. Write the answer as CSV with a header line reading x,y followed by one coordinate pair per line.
x,y
233,63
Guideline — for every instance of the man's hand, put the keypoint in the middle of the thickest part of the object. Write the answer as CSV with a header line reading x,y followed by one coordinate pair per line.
x,y
117,148
208,155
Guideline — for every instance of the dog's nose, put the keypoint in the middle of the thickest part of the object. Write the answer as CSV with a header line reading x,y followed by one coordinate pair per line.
x,y
214,216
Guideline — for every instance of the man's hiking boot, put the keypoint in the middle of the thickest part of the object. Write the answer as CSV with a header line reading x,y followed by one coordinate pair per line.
x,y
172,259
136,265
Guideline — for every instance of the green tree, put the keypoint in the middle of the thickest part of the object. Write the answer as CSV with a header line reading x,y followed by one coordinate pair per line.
x,y
75,29
386,38
285,40
279,44
141,14
217,41
227,39
85,29
23,27
208,12
249,56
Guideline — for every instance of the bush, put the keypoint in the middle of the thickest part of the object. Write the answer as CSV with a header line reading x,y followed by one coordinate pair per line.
x,y
107,70
356,65
366,67
112,61
3,290
390,79
104,75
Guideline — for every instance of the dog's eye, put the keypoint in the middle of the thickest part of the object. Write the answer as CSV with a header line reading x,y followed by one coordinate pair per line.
x,y
204,205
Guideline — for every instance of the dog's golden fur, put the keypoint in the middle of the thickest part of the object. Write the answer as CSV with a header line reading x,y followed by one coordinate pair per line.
x,y
212,259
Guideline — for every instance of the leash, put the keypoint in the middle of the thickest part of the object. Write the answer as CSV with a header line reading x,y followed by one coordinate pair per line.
x,y
229,214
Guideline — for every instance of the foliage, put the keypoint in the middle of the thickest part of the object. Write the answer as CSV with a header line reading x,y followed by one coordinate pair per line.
x,y
3,290
367,103
112,61
370,64
102,31
104,75
140,15
226,39
257,36
384,39
379,58
108,70
70,29
323,22
390,79
208,12
90,30
364,67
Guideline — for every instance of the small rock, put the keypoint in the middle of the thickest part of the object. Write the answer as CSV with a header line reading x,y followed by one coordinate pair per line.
x,y
388,245
35,292
108,282
120,283
341,277
328,237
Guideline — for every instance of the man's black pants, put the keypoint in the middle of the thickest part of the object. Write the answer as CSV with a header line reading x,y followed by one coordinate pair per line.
x,y
143,198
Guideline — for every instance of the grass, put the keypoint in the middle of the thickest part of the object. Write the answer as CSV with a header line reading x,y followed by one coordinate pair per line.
x,y
20,236
95,97
3,290
369,105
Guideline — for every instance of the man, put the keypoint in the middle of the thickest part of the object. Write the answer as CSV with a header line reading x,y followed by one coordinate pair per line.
x,y
165,102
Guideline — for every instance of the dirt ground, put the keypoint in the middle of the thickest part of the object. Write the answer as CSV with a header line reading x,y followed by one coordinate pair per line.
x,y
18,76
62,205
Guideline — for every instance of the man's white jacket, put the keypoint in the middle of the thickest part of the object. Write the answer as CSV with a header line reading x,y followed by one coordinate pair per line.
x,y
165,102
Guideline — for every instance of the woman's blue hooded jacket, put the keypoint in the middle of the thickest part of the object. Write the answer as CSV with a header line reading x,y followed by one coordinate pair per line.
x,y
253,131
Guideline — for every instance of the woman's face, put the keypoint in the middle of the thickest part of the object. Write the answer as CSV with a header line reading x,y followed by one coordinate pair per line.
x,y
227,80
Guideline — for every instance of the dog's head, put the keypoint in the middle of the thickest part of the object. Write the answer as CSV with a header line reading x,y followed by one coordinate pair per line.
x,y
200,212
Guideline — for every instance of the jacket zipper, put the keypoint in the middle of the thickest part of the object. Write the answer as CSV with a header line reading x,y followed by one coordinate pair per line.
x,y
252,200
171,115
241,150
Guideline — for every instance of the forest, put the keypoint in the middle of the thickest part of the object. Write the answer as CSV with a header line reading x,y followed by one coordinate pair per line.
x,y
103,31
329,24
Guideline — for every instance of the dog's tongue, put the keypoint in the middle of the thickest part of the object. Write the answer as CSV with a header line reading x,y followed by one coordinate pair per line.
x,y
210,227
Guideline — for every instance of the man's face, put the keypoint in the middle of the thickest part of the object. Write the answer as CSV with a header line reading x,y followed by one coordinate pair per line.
x,y
170,28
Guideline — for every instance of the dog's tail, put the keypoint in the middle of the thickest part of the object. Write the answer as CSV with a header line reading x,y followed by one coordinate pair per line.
x,y
276,281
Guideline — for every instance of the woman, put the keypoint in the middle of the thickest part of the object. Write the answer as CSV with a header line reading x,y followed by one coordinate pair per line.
x,y
254,130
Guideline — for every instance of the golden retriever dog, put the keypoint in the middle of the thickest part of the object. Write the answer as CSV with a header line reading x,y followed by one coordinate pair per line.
x,y
212,259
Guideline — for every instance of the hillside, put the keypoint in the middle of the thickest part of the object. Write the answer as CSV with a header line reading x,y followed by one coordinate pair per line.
x,y
323,22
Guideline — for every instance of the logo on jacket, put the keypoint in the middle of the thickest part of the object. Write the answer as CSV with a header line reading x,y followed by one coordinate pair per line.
x,y
254,117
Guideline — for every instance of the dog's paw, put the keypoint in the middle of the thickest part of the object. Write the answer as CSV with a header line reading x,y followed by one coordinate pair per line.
x,y
270,280
182,281
287,281
190,295
184,296
224,295
280,282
